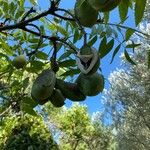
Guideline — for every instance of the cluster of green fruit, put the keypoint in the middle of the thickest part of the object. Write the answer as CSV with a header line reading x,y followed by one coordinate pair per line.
x,y
89,82
87,10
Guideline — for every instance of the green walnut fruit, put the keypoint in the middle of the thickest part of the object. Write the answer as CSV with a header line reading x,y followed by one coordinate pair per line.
x,y
70,90
88,60
57,98
104,5
43,86
90,85
85,13
19,61
39,101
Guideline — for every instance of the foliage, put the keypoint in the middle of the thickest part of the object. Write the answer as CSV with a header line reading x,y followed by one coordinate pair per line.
x,y
41,39
77,130
50,39
25,132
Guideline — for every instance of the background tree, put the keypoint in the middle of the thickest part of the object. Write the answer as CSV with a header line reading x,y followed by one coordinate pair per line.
x,y
128,99
25,132
75,129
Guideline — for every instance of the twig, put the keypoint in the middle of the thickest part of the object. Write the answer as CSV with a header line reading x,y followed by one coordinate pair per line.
x,y
51,38
28,13
126,27
39,42
5,111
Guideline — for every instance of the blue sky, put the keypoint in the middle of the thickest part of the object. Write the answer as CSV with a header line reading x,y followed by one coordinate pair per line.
x,y
94,103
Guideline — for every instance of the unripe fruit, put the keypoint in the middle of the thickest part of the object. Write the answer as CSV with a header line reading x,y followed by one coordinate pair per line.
x,y
85,13
39,101
70,90
90,85
19,61
88,60
57,98
104,5
43,86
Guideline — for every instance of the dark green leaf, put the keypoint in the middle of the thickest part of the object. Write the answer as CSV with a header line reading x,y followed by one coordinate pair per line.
x,y
129,33
67,63
33,40
92,40
34,46
66,54
105,48
123,9
115,52
25,83
41,55
128,58
76,36
27,109
29,101
133,45
139,10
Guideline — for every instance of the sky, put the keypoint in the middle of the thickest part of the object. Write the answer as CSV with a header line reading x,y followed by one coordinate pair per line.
x,y
95,103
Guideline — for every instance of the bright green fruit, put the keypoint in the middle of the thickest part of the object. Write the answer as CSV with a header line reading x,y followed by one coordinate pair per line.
x,y
88,60
70,90
104,5
43,86
85,13
57,98
19,61
90,85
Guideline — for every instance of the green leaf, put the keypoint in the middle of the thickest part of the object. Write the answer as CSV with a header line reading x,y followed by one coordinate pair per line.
x,y
34,40
66,54
34,46
5,56
76,36
133,45
80,2
25,83
27,109
129,33
6,48
115,52
62,30
41,55
92,41
33,2
105,48
123,9
128,58
71,72
103,44
67,63
29,101
35,66
21,3
139,10
106,17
